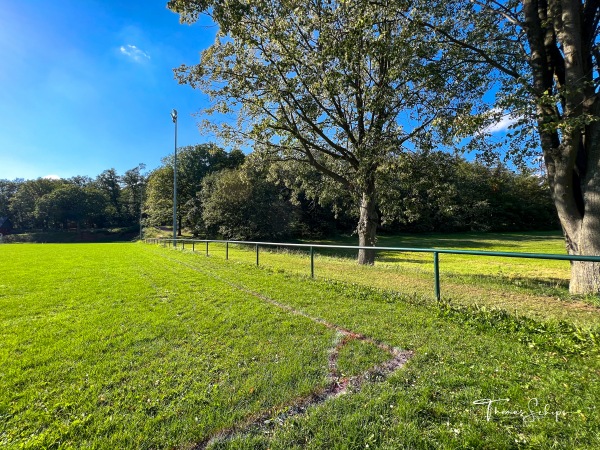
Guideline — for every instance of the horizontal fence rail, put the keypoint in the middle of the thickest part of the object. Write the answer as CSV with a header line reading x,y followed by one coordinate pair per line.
x,y
311,249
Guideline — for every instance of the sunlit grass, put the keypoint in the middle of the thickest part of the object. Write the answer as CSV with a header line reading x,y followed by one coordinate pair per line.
x,y
136,346
531,287
108,346
460,358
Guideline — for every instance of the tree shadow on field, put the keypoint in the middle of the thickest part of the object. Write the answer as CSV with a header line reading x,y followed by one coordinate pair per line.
x,y
554,287
402,257
444,243
465,240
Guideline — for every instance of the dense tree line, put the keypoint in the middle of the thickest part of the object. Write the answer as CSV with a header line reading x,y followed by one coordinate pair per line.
x,y
193,164
109,200
233,196
441,192
241,198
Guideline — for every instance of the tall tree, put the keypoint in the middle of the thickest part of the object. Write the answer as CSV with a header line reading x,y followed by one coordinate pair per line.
x,y
109,182
545,52
158,203
194,162
132,194
241,204
7,191
339,85
24,201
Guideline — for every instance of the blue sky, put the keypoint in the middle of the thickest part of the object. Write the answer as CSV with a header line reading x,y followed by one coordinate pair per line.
x,y
88,85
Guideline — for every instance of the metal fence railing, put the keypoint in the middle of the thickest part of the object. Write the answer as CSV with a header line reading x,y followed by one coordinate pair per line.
x,y
311,249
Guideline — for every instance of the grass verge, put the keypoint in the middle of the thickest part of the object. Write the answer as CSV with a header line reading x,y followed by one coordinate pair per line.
x,y
534,288
477,380
133,346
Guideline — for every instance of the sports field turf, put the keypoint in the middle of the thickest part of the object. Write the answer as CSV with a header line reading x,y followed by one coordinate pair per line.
x,y
139,346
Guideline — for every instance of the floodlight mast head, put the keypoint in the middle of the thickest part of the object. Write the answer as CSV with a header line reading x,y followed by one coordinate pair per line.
x,y
174,115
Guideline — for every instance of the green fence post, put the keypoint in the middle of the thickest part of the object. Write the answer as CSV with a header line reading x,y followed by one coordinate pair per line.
x,y
183,245
206,248
257,254
312,262
436,274
193,247
226,250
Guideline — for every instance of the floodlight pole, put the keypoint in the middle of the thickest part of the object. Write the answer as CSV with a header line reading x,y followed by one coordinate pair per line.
x,y
174,117
141,186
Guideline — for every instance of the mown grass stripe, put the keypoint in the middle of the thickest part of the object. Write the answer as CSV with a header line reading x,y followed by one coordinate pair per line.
x,y
130,361
455,363
338,383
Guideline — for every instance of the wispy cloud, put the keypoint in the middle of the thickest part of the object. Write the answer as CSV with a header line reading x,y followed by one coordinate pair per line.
x,y
502,121
52,177
136,54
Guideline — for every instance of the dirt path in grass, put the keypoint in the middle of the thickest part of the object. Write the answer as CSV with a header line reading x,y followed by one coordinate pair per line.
x,y
337,384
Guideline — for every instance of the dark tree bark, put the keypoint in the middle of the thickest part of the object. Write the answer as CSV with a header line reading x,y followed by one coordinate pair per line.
x,y
546,52
367,225
561,40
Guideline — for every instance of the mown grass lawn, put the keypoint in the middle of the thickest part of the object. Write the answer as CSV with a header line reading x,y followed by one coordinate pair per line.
x,y
137,346
529,287
109,346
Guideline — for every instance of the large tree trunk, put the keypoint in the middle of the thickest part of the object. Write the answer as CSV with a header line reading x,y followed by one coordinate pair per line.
x,y
367,225
576,192
569,129
585,276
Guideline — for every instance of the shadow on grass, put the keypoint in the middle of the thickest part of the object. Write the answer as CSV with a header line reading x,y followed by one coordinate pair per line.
x,y
472,240
72,237
466,240
553,287
400,258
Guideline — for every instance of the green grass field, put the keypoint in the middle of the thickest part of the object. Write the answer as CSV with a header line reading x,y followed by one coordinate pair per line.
x,y
139,346
528,287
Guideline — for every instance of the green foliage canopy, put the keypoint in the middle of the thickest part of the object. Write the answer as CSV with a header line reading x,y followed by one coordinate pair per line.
x,y
71,203
193,164
442,192
242,205
340,85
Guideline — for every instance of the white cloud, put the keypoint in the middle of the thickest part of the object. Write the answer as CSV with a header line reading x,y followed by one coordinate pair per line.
x,y
503,121
131,51
52,177
503,125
